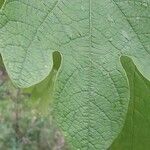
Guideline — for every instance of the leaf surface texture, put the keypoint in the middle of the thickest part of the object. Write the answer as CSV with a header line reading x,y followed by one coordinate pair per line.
x,y
92,90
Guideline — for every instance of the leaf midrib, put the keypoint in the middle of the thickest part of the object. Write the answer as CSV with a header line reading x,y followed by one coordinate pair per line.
x,y
89,71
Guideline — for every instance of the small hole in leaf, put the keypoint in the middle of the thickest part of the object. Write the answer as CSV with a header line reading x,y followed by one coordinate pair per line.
x,y
2,2
57,58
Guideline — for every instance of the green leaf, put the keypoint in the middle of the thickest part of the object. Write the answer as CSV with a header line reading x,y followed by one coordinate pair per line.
x,y
136,132
92,92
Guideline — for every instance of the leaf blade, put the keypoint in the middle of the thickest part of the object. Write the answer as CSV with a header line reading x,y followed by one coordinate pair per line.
x,y
92,88
135,134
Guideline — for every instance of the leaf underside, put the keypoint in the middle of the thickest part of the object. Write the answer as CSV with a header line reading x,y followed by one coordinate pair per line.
x,y
92,91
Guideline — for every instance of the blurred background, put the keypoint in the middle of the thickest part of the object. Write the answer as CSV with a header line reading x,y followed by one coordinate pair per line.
x,y
20,127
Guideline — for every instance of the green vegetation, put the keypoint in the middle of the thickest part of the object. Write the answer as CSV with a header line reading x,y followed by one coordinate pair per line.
x,y
84,62
21,127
